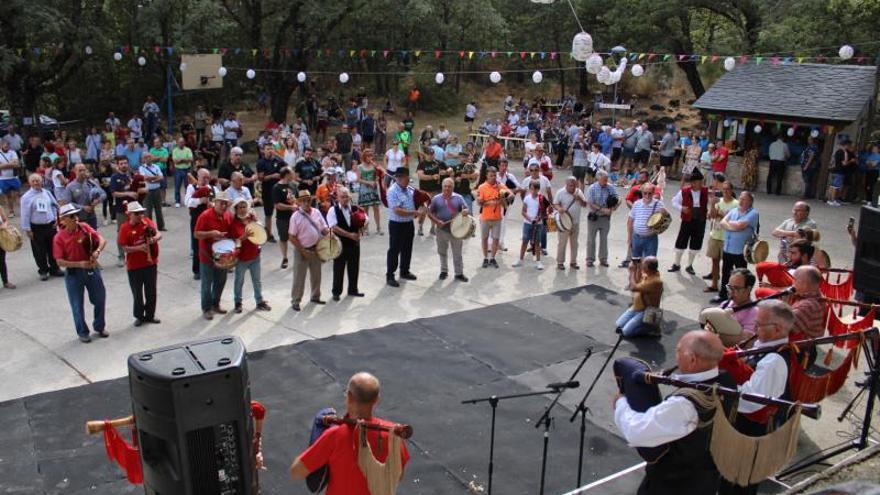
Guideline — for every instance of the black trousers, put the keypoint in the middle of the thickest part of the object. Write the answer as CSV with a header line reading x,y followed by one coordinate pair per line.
x,y
870,181
193,242
350,259
776,173
41,247
4,277
153,203
143,289
690,234
400,245
728,263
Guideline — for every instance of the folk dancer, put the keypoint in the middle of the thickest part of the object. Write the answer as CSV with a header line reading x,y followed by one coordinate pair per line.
x,y
340,220
602,201
197,199
307,227
569,199
139,238
248,255
693,203
401,230
213,224
443,209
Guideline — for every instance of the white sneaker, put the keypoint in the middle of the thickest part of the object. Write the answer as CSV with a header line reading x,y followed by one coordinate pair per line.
x,y
539,265
106,222
517,263
177,205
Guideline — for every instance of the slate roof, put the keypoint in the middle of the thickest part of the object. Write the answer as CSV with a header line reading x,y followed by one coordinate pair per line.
x,y
809,91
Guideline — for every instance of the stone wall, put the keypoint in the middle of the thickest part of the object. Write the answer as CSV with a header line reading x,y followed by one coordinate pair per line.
x,y
792,184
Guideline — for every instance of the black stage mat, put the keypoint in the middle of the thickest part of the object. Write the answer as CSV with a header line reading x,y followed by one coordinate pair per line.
x,y
427,367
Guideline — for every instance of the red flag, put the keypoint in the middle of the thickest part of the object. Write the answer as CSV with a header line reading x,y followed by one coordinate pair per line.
x,y
363,52
774,60
714,58
436,53
385,53
552,55
522,55
223,51
743,59
651,56
125,49
461,54
127,456
157,49
493,54
681,57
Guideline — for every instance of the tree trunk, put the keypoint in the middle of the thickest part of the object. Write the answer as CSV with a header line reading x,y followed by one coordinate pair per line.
x,y
583,83
693,77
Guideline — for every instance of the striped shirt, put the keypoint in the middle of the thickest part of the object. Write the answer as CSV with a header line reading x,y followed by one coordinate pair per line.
x,y
598,194
809,317
640,214
400,198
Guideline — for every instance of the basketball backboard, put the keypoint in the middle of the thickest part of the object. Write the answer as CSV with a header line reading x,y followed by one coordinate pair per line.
x,y
201,71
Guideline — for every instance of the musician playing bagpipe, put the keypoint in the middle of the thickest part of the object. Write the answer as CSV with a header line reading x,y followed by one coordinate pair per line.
x,y
765,374
674,435
774,276
377,463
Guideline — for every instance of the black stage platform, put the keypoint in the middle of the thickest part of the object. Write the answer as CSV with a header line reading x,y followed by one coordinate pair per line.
x,y
427,367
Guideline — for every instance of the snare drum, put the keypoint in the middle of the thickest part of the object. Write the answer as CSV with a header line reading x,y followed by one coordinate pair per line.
x,y
10,239
564,222
224,255
462,226
328,248
659,222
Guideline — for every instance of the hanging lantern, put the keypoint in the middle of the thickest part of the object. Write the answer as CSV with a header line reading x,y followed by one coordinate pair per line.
x,y
604,75
142,61
581,46
790,131
439,78
621,68
88,50
814,133
726,122
301,77
594,63
183,67
495,77
729,64
758,129
543,2
637,70
117,56
615,78
343,78
537,77
221,71
251,73
846,52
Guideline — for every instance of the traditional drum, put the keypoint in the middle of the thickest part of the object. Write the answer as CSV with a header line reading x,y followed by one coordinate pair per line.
x,y
329,248
756,251
629,373
10,239
563,220
256,233
224,254
659,222
462,226
722,323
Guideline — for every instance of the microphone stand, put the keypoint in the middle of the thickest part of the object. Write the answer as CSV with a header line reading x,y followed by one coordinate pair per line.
x,y
582,408
547,420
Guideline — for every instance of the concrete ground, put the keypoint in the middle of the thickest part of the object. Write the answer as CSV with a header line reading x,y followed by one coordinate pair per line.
x,y
41,352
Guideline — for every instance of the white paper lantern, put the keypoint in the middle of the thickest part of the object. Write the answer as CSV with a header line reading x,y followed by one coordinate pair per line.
x,y
814,133
222,71
758,129
846,52
183,67
726,122
439,78
495,77
729,64
301,77
537,77
142,61
594,63
251,73
604,75
581,46
117,56
343,78
637,70
790,131
88,50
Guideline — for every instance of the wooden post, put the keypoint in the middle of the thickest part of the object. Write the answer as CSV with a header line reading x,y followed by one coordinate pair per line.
x,y
822,178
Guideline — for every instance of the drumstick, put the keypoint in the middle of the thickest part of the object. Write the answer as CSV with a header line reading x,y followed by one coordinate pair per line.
x,y
97,426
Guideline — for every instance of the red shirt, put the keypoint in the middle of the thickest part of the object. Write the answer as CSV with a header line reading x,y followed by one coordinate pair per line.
x,y
75,246
719,159
209,220
248,250
133,235
338,447
634,193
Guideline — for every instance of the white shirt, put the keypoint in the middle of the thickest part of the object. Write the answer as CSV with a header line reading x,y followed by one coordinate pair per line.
x,y
544,163
598,161
470,111
234,194
507,176
395,159
332,221
6,158
769,378
532,207
617,136
217,131
668,421
695,196
567,200
778,151
192,202
546,188
513,119
231,127
135,126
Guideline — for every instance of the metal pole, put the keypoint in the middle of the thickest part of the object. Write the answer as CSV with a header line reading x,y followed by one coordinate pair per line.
x,y
169,97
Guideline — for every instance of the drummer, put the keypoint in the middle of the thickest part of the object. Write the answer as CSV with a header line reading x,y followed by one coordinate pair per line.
x,y
602,202
307,227
341,220
569,199
248,253
443,209
680,423
212,225
740,289
644,239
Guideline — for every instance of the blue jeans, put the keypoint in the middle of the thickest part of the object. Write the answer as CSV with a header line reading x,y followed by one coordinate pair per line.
x,y
213,280
643,246
631,323
76,280
240,270
179,180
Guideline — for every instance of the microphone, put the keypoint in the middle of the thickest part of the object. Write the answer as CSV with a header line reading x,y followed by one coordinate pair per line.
x,y
571,384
